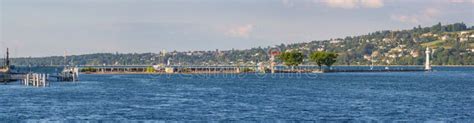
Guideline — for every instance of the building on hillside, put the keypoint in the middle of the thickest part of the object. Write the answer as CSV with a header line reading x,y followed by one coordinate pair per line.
x,y
335,41
463,39
427,35
320,49
471,37
416,40
367,57
445,37
415,53
392,56
402,46
375,54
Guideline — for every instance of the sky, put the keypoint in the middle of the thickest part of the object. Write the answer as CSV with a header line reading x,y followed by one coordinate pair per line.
x,y
36,28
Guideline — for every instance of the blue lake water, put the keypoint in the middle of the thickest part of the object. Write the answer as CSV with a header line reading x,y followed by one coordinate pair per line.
x,y
446,94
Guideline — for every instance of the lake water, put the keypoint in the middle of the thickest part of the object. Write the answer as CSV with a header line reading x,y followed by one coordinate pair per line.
x,y
446,94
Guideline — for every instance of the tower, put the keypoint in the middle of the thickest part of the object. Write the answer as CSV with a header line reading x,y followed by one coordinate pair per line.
x,y
7,60
428,64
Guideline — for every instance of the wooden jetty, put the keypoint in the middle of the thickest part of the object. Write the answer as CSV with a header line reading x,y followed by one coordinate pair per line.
x,y
34,79
163,70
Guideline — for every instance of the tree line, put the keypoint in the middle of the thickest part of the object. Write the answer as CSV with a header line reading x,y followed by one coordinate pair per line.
x,y
295,58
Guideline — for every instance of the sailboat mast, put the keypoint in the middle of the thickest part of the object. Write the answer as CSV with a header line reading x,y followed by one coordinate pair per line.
x,y
65,58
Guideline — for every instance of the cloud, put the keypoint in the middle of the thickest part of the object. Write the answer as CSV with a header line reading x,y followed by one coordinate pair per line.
x,y
287,3
405,18
242,31
351,4
461,1
427,14
456,1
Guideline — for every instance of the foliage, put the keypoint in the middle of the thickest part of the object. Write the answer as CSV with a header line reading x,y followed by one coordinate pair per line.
x,y
318,57
330,59
326,58
292,59
89,69
245,70
150,69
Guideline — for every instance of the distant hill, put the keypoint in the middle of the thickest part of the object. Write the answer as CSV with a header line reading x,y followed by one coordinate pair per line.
x,y
453,44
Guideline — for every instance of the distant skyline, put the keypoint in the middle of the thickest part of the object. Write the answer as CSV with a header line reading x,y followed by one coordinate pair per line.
x,y
50,27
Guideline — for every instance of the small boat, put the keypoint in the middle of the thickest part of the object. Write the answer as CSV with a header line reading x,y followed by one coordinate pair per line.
x,y
69,74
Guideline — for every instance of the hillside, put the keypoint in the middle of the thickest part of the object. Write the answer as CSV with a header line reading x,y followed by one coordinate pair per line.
x,y
453,45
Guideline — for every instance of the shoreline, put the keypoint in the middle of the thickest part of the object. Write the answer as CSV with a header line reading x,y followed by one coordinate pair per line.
x,y
253,72
236,65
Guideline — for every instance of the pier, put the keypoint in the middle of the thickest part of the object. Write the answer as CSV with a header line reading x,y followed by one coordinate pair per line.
x,y
234,69
34,79
164,70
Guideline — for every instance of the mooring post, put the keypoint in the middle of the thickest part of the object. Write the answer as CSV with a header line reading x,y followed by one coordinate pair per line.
x,y
44,80
33,79
47,77
37,80
27,79
73,77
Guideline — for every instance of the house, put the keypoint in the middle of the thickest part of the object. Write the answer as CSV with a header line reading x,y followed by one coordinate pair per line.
x,y
415,53
402,46
416,40
392,56
395,50
367,57
375,53
445,37
320,49
427,35
335,41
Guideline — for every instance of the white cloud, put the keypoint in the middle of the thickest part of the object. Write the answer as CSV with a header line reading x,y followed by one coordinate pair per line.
x,y
428,14
287,3
242,31
405,18
456,1
461,1
372,3
350,4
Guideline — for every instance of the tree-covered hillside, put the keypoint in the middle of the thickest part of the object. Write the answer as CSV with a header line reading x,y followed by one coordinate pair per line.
x,y
452,45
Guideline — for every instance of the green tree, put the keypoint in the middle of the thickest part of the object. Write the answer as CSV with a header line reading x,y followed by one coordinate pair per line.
x,y
150,69
330,59
318,57
326,58
291,59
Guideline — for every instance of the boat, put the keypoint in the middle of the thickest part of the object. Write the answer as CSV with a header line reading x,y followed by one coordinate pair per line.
x,y
69,74
5,71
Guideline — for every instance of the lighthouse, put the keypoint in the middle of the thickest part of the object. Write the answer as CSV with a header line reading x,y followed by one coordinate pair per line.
x,y
428,64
